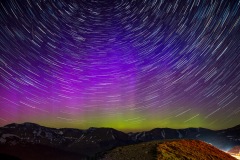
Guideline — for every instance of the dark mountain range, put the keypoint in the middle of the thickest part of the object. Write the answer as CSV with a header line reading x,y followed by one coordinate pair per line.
x,y
222,139
88,143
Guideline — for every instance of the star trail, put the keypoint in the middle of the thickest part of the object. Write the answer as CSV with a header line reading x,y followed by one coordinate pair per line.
x,y
125,64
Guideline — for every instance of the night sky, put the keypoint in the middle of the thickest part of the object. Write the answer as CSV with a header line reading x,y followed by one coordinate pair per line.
x,y
126,64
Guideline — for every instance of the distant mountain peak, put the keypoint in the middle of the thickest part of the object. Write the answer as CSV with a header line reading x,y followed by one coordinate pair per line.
x,y
237,126
29,124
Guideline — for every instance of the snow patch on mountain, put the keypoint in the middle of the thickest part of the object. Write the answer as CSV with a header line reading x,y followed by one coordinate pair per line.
x,y
4,137
179,134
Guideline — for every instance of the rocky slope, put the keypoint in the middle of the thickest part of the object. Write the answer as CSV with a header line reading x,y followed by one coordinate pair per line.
x,y
168,150
189,150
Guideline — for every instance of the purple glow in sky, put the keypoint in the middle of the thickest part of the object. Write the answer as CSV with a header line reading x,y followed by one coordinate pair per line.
x,y
130,65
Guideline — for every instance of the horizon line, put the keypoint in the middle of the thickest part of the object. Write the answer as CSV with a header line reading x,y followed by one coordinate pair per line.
x,y
120,130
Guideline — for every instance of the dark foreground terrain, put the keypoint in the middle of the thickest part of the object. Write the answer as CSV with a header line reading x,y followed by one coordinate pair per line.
x,y
37,152
32,141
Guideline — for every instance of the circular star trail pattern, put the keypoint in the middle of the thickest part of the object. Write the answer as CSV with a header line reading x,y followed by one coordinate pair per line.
x,y
130,65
